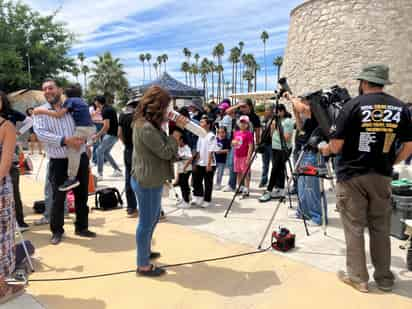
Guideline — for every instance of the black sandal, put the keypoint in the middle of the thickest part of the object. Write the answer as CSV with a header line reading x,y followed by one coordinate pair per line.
x,y
155,255
153,272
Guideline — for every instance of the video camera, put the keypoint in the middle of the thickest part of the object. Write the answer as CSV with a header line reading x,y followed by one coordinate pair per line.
x,y
326,105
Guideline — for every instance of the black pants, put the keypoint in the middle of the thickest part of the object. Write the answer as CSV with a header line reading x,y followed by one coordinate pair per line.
x,y
199,175
184,185
278,173
130,195
57,176
18,205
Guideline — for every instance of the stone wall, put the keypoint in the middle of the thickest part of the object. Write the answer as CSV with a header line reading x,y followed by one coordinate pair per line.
x,y
330,40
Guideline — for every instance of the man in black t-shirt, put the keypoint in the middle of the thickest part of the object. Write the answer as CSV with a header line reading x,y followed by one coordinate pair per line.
x,y
126,136
109,133
367,135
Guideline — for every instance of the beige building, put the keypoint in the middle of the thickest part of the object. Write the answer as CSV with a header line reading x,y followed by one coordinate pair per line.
x,y
330,40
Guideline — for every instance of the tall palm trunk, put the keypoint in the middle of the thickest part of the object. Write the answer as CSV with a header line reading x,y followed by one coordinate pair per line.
x,y
233,76
144,73
234,97
186,77
266,69
278,72
213,86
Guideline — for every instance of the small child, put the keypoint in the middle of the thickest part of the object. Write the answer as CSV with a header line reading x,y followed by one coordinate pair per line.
x,y
223,144
184,169
204,170
243,143
85,128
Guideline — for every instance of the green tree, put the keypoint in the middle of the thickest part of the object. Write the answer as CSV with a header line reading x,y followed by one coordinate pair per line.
x,y
185,68
195,71
218,52
241,47
278,62
76,72
204,71
264,37
248,75
108,77
142,58
187,54
148,57
156,67
32,47
212,70
165,58
85,70
159,60
234,58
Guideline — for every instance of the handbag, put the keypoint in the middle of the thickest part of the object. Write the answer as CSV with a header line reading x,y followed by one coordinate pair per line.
x,y
108,199
39,207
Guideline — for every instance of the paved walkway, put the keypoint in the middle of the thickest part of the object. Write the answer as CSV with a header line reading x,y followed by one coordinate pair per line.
x,y
263,280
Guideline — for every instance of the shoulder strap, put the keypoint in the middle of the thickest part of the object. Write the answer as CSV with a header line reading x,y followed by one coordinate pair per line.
x,y
119,197
96,202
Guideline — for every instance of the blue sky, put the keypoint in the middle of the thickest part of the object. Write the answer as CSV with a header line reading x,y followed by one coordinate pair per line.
x,y
127,28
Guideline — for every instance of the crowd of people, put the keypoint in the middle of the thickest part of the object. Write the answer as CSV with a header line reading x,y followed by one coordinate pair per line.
x,y
158,151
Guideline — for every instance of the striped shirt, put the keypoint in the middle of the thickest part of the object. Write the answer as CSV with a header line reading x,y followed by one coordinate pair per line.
x,y
51,131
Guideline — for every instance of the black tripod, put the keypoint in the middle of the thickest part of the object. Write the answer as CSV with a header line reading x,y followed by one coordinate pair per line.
x,y
266,134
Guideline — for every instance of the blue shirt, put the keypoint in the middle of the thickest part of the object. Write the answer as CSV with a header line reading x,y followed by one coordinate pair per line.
x,y
79,111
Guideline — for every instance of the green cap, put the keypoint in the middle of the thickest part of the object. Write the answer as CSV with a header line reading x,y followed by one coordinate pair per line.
x,y
375,73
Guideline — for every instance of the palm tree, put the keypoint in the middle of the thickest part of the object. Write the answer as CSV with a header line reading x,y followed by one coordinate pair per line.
x,y
264,37
142,58
204,71
218,52
81,58
234,59
195,71
160,61
212,69
278,61
241,47
108,77
185,68
187,54
165,58
85,70
148,58
244,59
197,57
248,75
156,66
76,71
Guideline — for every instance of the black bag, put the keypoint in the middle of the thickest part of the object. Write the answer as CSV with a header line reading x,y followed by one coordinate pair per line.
x,y
108,199
39,207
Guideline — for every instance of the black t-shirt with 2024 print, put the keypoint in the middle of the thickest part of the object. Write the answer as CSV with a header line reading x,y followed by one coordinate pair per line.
x,y
372,126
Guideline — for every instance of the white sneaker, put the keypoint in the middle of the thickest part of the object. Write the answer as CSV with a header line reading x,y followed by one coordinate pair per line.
x,y
218,187
184,205
205,204
196,201
227,189
117,174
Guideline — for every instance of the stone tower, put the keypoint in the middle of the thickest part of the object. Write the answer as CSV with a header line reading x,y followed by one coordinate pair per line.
x,y
330,40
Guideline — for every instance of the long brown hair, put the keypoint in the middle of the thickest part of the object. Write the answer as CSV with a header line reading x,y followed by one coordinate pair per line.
x,y
153,106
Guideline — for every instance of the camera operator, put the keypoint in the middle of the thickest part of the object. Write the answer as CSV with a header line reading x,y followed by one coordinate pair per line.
x,y
308,187
368,131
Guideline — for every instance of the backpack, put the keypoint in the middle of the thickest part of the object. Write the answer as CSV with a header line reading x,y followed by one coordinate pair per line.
x,y
108,199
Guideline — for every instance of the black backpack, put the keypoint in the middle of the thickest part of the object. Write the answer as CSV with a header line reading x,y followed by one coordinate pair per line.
x,y
108,199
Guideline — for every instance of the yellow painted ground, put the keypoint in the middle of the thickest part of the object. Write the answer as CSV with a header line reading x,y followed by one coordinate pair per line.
x,y
260,281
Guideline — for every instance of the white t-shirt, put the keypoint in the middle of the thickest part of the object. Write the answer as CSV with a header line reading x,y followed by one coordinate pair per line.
x,y
206,145
185,154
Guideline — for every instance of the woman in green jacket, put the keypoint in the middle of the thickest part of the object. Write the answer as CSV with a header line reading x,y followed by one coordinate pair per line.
x,y
152,165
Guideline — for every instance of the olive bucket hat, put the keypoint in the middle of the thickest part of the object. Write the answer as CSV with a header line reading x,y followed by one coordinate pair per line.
x,y
375,73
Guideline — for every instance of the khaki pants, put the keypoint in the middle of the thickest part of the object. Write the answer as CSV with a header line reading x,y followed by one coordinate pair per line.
x,y
365,201
73,155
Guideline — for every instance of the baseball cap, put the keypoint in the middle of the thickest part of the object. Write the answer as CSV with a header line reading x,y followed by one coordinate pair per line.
x,y
244,118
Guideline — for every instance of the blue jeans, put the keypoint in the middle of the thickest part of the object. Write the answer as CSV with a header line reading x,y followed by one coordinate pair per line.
x,y
309,191
103,152
99,126
220,170
232,176
149,200
266,158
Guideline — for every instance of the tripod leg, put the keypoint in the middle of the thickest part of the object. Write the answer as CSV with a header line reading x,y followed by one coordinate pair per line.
x,y
25,249
270,223
240,184
296,178
332,182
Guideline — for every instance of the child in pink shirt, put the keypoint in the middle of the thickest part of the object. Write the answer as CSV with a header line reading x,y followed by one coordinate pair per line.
x,y
243,143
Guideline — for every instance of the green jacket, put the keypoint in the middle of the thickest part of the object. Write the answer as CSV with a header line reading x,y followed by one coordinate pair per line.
x,y
153,155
